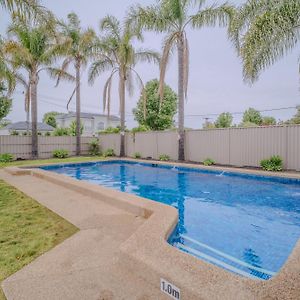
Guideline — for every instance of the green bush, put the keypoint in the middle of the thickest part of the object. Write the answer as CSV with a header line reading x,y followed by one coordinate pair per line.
x,y
61,131
137,155
110,130
48,133
109,152
6,157
72,128
141,128
60,153
94,148
274,163
208,162
164,157
14,132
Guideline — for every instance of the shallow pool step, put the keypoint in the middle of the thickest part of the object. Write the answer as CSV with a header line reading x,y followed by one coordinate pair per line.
x,y
239,265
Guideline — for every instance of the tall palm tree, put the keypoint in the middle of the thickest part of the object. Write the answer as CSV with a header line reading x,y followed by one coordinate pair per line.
x,y
34,50
264,31
174,17
77,48
116,52
10,77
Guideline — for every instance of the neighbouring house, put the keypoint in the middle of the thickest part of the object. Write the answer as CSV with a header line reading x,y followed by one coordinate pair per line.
x,y
20,128
92,123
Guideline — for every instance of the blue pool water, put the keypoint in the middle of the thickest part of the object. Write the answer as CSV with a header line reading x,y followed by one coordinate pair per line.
x,y
244,223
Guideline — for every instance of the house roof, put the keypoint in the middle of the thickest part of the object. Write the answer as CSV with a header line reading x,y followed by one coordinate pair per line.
x,y
23,126
86,115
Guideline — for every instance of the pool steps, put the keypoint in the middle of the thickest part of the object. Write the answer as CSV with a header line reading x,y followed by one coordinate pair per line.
x,y
219,262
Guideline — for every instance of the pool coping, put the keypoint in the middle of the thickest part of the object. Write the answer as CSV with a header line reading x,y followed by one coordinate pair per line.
x,y
148,253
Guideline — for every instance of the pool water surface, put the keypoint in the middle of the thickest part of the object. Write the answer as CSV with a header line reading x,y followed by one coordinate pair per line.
x,y
246,224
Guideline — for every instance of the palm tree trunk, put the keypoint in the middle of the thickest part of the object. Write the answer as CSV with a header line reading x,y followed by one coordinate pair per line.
x,y
180,46
122,113
27,121
34,132
78,112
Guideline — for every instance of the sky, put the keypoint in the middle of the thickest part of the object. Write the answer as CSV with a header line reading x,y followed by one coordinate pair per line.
x,y
216,84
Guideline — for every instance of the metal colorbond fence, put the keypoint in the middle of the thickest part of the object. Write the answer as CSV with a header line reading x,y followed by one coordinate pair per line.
x,y
20,146
230,146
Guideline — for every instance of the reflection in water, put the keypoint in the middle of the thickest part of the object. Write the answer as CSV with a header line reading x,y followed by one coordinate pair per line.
x,y
252,258
78,173
180,202
122,178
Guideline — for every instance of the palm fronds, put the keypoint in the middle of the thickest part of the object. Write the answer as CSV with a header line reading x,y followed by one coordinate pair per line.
x,y
263,32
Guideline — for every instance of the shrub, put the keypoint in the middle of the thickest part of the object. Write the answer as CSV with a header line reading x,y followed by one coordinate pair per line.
x,y
14,132
60,153
208,162
141,128
94,148
164,157
274,164
110,130
72,128
60,131
6,157
137,155
109,152
48,133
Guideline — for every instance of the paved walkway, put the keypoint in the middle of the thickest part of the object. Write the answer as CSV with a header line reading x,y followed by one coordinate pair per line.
x,y
88,265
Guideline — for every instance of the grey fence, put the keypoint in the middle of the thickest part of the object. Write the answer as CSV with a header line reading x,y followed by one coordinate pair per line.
x,y
20,146
230,146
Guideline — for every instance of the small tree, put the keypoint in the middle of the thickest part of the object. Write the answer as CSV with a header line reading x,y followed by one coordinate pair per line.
x,y
49,118
296,118
73,128
268,121
252,115
156,115
224,120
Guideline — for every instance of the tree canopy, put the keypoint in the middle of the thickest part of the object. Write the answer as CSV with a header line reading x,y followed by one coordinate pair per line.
x,y
159,115
252,115
49,118
296,118
224,120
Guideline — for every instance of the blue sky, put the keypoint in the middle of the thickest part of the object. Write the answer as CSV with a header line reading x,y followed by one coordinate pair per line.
x,y
216,83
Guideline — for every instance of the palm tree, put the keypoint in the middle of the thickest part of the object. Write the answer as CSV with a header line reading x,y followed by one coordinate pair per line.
x,y
77,48
27,9
7,76
34,50
173,17
263,32
117,53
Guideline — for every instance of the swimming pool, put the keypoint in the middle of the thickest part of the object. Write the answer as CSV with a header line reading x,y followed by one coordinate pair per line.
x,y
246,224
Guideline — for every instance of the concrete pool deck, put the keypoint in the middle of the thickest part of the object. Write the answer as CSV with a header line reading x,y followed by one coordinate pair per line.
x,y
121,251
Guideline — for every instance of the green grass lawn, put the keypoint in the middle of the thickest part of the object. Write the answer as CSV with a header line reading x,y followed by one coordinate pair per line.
x,y
28,229
52,160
